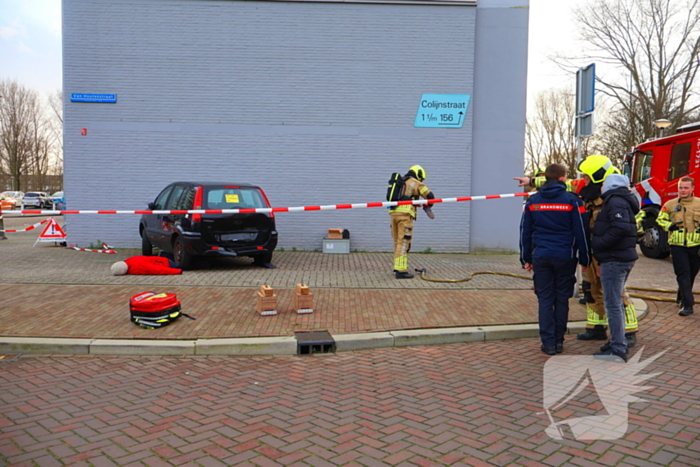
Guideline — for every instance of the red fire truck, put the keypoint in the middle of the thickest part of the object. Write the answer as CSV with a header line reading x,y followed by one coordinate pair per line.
x,y
654,168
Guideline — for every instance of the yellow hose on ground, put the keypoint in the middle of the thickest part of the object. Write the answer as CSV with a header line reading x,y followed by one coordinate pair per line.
x,y
518,276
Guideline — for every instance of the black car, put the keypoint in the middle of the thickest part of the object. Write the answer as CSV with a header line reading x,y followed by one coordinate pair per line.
x,y
187,236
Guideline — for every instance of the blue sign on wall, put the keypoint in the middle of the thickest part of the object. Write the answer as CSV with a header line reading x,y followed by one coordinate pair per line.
x,y
442,111
100,98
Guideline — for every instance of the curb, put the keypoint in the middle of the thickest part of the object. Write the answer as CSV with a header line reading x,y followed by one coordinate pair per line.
x,y
282,345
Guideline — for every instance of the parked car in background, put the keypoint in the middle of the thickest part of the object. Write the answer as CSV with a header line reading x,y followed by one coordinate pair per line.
x,y
57,200
7,202
187,236
17,195
36,199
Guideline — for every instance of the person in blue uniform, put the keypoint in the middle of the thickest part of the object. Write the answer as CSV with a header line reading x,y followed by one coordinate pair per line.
x,y
553,239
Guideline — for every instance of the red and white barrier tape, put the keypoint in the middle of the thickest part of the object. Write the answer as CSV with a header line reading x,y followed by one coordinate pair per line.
x,y
31,227
108,249
328,207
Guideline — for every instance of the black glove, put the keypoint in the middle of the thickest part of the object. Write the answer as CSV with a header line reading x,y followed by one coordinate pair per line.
x,y
673,227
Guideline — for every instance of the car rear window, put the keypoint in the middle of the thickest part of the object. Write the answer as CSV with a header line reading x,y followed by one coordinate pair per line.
x,y
233,198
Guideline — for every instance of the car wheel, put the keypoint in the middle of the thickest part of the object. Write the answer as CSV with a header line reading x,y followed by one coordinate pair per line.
x,y
181,256
263,259
146,247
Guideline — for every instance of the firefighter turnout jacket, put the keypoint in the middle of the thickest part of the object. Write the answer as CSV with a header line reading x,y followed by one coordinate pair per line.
x,y
680,217
413,189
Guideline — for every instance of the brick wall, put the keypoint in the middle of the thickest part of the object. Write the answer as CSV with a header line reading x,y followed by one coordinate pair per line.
x,y
315,102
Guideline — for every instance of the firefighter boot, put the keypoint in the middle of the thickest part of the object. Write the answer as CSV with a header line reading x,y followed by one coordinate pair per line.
x,y
597,333
404,275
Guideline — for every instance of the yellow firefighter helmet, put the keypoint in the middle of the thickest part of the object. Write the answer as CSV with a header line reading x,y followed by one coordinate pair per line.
x,y
597,167
419,171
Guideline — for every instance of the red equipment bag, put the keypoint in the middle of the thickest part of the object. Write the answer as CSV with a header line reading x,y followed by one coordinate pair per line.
x,y
152,310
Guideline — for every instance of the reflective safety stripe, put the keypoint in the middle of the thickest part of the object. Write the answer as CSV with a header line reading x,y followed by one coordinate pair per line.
x,y
401,263
160,295
692,239
405,208
639,218
594,319
664,220
631,323
539,181
155,318
551,207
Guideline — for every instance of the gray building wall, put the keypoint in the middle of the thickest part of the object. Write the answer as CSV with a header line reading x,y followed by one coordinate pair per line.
x,y
500,94
315,102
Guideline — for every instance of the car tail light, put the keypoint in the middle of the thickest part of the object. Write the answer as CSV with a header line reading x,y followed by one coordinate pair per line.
x,y
197,204
267,201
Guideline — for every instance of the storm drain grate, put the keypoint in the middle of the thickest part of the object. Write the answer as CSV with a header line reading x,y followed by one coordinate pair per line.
x,y
313,342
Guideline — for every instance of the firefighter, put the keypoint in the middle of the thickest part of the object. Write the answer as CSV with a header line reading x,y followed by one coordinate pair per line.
x,y
537,173
595,169
680,217
402,218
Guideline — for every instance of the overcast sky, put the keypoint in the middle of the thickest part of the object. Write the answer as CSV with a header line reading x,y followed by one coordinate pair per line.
x,y
30,43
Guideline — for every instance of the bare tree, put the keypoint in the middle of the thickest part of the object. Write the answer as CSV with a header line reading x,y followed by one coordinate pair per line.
x,y
618,132
56,103
550,132
30,136
19,111
656,43
54,124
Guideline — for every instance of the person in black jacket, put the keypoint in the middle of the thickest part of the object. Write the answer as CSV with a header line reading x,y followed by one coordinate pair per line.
x,y
553,230
614,246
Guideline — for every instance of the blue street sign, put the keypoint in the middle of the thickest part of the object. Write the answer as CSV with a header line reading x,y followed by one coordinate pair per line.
x,y
585,89
99,98
442,111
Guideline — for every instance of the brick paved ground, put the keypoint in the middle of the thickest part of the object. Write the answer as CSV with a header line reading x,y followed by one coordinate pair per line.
x,y
57,292
473,404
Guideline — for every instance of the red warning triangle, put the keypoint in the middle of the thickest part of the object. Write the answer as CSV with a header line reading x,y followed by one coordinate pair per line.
x,y
52,230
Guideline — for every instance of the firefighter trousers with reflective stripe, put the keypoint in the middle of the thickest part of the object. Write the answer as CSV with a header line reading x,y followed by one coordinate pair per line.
x,y
401,232
595,312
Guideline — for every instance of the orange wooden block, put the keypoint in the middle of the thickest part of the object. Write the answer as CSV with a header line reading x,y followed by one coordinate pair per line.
x,y
304,303
335,233
267,305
